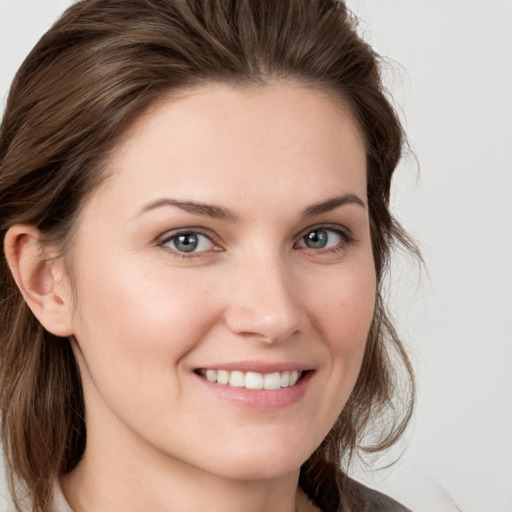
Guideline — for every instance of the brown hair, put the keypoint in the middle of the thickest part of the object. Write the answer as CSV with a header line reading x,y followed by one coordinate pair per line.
x,y
101,65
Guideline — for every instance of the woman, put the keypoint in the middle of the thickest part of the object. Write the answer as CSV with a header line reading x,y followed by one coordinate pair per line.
x,y
194,208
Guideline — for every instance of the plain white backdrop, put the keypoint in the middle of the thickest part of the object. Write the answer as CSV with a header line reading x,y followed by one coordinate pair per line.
x,y
451,77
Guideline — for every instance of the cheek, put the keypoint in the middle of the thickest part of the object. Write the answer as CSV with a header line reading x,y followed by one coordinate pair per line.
x,y
344,308
129,321
343,314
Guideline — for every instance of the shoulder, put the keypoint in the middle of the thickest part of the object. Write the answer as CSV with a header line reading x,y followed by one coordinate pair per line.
x,y
331,490
359,498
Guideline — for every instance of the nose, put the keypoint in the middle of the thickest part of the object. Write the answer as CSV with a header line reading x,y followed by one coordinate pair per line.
x,y
262,302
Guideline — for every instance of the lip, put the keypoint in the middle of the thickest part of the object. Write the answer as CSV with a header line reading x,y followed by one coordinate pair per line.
x,y
259,366
259,399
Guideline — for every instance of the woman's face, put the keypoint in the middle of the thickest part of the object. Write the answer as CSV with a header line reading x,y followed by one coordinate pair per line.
x,y
230,242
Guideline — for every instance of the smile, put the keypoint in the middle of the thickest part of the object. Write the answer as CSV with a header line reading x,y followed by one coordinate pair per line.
x,y
252,380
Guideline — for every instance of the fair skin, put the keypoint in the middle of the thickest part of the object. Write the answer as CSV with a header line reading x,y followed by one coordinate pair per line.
x,y
275,279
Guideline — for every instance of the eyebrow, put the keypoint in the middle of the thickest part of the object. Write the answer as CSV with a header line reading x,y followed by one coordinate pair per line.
x,y
333,203
220,212
208,210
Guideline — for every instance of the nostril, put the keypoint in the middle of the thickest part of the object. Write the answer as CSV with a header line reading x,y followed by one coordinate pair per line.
x,y
270,327
262,301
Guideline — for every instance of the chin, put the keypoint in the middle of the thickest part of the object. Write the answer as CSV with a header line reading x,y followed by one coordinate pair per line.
x,y
261,462
262,470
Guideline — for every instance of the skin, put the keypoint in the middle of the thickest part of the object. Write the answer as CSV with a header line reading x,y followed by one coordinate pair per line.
x,y
146,316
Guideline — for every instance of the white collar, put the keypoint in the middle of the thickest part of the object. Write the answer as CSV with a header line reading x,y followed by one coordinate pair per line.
x,y
61,505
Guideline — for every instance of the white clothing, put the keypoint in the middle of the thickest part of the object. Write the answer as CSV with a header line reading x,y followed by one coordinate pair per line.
x,y
61,505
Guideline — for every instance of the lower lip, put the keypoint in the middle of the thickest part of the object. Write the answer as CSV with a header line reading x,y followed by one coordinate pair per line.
x,y
260,398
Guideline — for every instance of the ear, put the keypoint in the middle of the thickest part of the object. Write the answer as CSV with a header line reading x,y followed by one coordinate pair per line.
x,y
42,281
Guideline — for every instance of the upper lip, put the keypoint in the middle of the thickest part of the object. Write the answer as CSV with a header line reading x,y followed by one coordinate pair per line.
x,y
259,366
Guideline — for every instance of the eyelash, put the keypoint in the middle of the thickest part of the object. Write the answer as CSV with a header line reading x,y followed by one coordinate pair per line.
x,y
169,237
347,238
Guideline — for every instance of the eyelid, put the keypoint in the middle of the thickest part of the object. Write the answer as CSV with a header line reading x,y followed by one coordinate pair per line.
x,y
346,235
169,235
342,230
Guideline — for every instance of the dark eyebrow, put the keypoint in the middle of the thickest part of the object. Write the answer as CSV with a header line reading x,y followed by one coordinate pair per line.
x,y
219,212
209,210
331,204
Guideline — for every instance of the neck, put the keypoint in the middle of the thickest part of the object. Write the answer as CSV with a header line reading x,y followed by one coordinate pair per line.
x,y
111,478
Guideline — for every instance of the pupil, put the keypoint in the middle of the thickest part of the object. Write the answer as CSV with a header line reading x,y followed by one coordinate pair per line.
x,y
316,239
186,242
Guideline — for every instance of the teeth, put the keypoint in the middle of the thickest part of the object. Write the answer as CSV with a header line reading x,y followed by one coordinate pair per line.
x,y
252,380
237,379
294,377
272,381
222,377
211,375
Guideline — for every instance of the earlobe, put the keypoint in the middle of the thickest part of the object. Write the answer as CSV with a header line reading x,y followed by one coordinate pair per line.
x,y
40,279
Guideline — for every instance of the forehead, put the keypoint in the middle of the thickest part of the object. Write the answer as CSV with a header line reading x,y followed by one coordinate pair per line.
x,y
242,142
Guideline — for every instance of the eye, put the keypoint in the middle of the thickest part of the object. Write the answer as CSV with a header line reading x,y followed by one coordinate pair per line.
x,y
189,242
324,238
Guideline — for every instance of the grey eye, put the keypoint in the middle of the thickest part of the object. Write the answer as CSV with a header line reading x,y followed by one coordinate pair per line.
x,y
321,238
186,242
189,242
316,239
